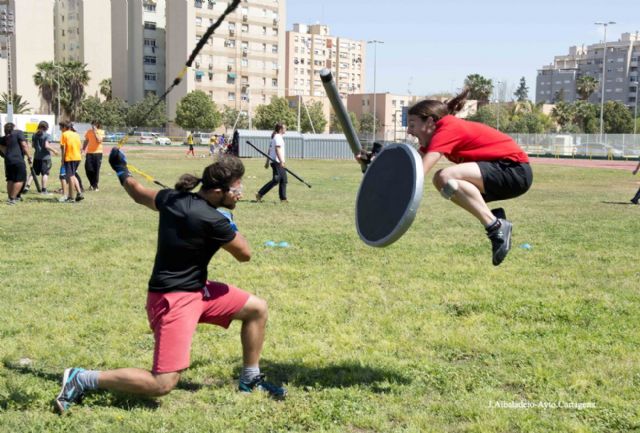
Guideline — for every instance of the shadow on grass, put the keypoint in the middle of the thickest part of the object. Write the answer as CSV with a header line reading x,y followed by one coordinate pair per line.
x,y
344,375
627,203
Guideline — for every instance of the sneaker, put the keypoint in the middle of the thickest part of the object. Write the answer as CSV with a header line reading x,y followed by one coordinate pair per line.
x,y
71,391
11,202
45,192
64,199
634,201
258,198
274,391
500,241
25,189
79,197
285,201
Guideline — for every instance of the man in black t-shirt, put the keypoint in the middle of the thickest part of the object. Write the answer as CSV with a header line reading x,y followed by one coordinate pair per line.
x,y
42,149
14,148
190,232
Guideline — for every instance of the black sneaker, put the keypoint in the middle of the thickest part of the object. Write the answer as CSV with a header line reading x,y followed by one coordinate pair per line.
x,y
25,189
71,391
500,241
634,201
277,392
79,197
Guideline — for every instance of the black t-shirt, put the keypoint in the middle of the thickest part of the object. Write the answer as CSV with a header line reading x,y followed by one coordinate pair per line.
x,y
190,232
39,141
14,150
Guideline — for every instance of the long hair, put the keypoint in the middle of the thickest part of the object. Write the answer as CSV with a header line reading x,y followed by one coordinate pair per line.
x,y
277,129
221,174
437,109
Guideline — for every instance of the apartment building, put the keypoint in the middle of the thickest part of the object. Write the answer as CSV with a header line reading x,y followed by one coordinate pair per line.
x,y
138,40
28,44
82,34
242,64
621,77
388,108
311,48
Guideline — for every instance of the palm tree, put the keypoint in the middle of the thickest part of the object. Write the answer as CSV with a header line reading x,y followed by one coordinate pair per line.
x,y
106,89
19,106
76,78
585,86
46,79
481,88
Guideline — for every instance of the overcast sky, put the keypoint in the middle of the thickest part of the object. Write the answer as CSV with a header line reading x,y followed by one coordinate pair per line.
x,y
430,47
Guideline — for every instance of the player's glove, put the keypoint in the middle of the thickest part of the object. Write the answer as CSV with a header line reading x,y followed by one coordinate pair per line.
x,y
228,215
118,163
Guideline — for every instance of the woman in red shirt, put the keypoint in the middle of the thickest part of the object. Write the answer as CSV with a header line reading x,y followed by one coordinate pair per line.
x,y
489,164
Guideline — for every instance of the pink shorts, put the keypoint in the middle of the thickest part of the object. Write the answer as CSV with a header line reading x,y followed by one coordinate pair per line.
x,y
174,316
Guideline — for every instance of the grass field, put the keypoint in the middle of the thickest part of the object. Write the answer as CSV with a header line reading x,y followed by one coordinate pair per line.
x,y
422,336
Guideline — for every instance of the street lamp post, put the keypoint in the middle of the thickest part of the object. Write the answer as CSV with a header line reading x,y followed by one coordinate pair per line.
x,y
604,70
375,46
6,28
635,110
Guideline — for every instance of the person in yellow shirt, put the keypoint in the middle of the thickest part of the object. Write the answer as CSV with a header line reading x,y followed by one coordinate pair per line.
x,y
71,144
92,148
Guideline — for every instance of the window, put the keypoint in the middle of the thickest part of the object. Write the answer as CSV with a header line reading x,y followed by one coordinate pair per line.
x,y
149,76
199,21
149,7
149,25
149,42
149,60
231,96
274,82
198,3
244,62
245,28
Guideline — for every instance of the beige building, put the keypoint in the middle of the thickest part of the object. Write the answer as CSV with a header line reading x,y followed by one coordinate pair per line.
x,y
137,37
242,64
82,34
389,109
29,44
310,48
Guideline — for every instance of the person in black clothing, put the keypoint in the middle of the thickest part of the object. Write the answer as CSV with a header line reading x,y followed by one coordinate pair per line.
x,y
191,230
42,149
14,147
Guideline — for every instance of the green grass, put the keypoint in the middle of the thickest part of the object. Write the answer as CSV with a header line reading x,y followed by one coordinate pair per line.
x,y
422,336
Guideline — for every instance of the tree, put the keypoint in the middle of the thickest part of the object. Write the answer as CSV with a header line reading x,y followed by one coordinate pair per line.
x,y
19,106
46,79
585,116
277,110
232,118
317,117
111,113
480,88
585,86
563,114
485,114
74,79
197,112
559,96
106,89
336,126
366,124
617,118
522,94
138,114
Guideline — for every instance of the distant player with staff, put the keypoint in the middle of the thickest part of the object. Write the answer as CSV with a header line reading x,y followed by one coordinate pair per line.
x,y
489,166
180,295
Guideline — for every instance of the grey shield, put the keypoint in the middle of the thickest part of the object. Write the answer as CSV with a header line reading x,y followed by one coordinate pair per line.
x,y
389,195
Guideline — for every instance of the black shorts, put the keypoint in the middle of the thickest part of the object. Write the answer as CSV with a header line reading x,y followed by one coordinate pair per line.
x,y
505,179
15,172
70,168
42,167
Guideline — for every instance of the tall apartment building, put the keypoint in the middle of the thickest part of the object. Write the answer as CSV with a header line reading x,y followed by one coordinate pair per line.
x,y
310,48
242,64
138,39
29,44
388,112
621,77
82,34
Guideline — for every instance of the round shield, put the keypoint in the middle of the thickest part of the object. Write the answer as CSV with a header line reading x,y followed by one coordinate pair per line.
x,y
389,195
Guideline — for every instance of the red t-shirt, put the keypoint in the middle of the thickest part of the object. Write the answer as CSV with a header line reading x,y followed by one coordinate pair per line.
x,y
465,141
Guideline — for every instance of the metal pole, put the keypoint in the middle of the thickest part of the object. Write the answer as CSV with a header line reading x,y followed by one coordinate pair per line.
x,y
604,72
635,111
375,67
249,104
